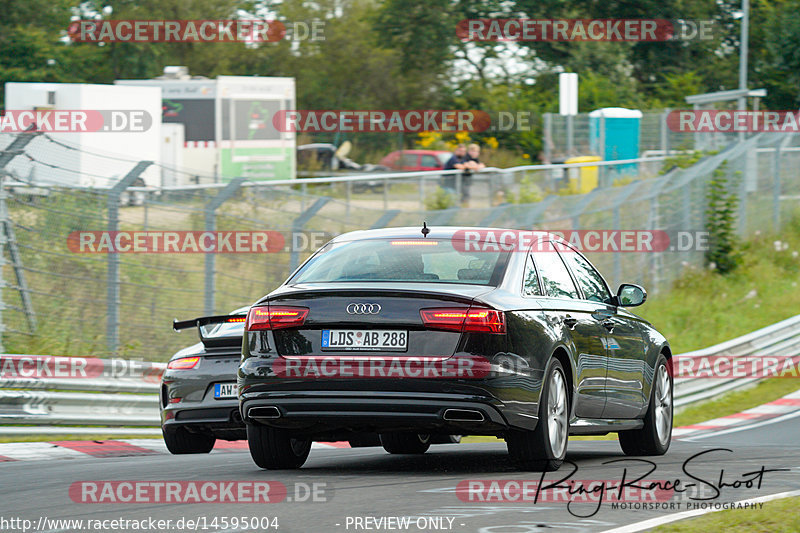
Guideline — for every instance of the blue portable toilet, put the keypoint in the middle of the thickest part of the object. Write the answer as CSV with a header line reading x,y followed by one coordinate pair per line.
x,y
618,130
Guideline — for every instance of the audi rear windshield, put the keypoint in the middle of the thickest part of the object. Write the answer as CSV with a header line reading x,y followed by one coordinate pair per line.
x,y
403,260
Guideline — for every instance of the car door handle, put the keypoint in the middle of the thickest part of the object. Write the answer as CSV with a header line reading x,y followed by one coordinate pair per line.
x,y
570,321
609,325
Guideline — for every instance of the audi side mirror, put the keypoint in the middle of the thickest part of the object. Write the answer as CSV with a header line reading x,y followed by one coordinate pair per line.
x,y
630,295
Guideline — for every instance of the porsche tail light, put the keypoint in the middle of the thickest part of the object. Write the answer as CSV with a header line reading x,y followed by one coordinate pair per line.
x,y
184,363
473,319
275,317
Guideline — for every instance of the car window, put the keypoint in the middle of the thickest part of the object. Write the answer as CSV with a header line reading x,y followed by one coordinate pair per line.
x,y
429,161
555,278
591,282
409,160
402,260
530,281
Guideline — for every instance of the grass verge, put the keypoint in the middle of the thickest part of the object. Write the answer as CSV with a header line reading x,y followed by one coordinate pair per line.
x,y
778,516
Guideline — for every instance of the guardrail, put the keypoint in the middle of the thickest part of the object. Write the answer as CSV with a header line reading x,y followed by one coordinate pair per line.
x,y
51,391
114,394
782,338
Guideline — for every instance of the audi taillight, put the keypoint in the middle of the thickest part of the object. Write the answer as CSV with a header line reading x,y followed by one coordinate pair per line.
x,y
473,319
275,317
184,363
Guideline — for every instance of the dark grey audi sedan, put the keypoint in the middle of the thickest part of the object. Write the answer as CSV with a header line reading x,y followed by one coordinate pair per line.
x,y
413,333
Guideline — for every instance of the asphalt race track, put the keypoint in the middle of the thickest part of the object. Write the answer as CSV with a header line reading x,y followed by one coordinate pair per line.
x,y
360,489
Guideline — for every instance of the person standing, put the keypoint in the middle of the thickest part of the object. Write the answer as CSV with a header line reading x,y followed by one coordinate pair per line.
x,y
472,164
456,162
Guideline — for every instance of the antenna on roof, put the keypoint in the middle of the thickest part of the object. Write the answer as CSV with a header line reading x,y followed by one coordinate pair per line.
x,y
425,229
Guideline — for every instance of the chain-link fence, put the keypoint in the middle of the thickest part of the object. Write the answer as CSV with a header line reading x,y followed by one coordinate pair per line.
x,y
581,135
59,299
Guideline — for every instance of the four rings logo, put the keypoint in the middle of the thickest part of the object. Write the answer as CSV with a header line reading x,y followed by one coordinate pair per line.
x,y
363,309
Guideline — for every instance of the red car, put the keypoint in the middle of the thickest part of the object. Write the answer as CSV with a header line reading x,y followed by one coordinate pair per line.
x,y
415,160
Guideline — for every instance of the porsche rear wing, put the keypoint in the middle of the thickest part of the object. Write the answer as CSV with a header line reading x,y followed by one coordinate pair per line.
x,y
214,341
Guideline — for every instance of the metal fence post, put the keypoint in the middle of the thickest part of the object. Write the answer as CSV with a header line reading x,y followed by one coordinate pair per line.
x,y
297,226
742,186
580,207
548,138
602,143
13,150
776,189
776,183
348,194
3,220
113,283
570,135
654,256
223,195
616,225
547,147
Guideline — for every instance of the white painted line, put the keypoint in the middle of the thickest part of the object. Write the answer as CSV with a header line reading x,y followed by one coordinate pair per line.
x,y
772,409
787,416
653,522
26,451
157,445
720,422
322,445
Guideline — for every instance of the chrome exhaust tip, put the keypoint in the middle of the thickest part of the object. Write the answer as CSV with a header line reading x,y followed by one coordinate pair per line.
x,y
269,411
463,415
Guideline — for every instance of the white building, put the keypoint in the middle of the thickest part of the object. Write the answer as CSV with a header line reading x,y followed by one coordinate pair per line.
x,y
89,158
225,125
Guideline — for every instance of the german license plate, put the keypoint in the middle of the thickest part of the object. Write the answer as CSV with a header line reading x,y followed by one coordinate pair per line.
x,y
224,390
365,340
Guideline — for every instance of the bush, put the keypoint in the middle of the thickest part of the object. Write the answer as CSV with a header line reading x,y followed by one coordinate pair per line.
x,y
529,192
441,199
722,253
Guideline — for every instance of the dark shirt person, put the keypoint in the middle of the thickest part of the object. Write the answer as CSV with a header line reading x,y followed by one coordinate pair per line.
x,y
472,164
456,162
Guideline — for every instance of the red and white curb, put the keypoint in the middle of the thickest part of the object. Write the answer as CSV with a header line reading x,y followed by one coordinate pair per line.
x,y
779,407
81,449
78,449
